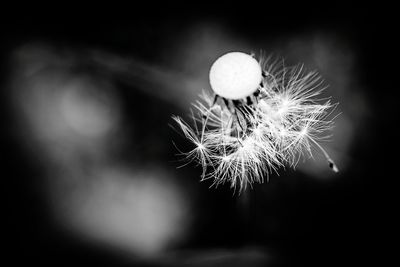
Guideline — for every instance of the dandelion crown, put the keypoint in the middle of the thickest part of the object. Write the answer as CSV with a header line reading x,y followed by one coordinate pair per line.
x,y
263,115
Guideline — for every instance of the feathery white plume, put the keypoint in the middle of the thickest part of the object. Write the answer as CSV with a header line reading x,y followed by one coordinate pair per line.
x,y
241,141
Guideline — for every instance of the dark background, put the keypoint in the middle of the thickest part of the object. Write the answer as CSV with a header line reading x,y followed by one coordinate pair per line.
x,y
297,219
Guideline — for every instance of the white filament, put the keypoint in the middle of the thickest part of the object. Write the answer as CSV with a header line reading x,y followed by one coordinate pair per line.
x,y
243,145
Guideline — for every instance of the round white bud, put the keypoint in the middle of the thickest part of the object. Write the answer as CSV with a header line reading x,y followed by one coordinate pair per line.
x,y
235,75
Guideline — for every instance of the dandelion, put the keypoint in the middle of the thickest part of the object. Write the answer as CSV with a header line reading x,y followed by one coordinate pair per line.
x,y
263,115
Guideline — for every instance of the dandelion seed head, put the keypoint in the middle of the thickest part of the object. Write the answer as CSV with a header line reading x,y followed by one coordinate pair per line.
x,y
252,126
235,75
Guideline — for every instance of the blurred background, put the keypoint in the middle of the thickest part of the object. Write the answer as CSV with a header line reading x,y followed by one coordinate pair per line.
x,y
89,169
